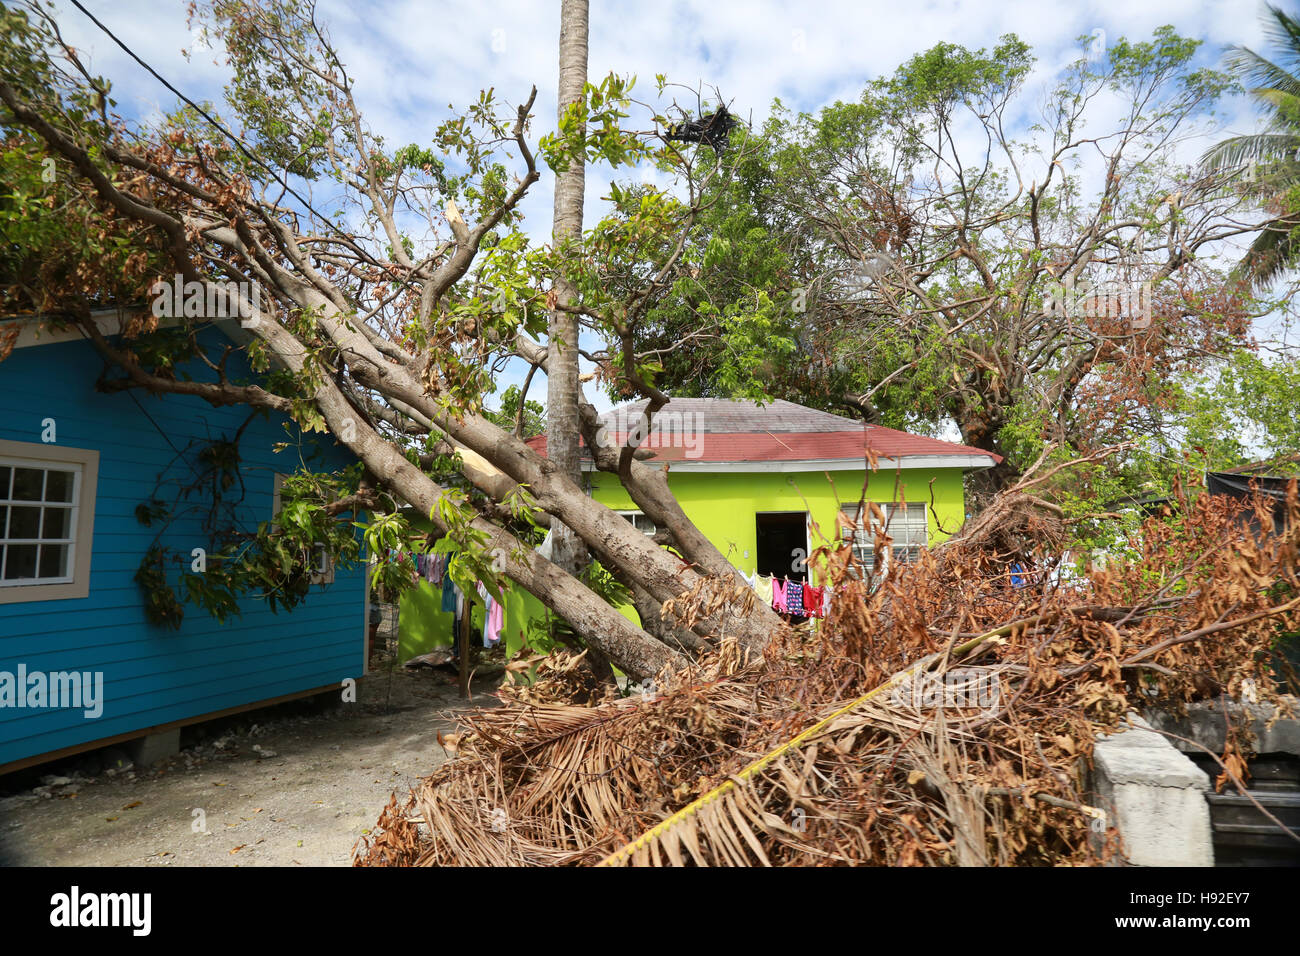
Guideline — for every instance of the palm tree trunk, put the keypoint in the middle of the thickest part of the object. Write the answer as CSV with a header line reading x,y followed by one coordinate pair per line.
x,y
562,390
562,428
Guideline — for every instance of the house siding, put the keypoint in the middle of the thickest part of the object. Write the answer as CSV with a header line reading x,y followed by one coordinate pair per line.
x,y
723,506
154,675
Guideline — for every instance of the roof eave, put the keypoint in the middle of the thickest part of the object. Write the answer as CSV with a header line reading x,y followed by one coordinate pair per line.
x,y
111,322
905,462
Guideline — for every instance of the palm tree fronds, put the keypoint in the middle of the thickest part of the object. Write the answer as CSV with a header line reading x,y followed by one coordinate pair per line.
x,y
1240,152
1260,73
1270,161
1282,30
1273,251
834,749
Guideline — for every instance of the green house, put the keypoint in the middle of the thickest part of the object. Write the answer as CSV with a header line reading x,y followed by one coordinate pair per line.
x,y
768,485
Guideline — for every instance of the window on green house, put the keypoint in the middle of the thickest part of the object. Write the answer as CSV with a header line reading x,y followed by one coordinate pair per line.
x,y
640,522
906,525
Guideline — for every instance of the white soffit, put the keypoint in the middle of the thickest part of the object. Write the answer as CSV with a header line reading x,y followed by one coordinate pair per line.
x,y
905,462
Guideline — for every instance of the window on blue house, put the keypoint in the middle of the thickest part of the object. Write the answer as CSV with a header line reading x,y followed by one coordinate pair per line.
x,y
47,513
318,559
38,522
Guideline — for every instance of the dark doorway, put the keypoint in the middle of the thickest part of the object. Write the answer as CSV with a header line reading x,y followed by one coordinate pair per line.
x,y
783,544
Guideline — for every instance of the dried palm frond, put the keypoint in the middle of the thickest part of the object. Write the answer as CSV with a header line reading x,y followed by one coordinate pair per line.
x,y
824,752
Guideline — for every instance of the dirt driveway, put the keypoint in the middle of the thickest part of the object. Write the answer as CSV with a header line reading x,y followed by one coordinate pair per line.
x,y
279,788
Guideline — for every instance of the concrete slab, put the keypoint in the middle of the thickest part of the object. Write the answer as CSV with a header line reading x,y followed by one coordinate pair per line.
x,y
1155,796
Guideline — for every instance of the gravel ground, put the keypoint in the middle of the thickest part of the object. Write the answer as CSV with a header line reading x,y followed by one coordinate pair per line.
x,y
293,786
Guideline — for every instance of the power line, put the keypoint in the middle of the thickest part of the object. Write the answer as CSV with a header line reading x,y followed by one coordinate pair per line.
x,y
213,122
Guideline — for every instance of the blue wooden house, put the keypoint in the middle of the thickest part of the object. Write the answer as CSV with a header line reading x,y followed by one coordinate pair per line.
x,y
81,665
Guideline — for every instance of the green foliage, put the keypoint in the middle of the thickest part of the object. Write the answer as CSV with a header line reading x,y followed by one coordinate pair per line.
x,y
934,82
1242,410
1266,165
273,563
286,112
590,131
161,608
534,419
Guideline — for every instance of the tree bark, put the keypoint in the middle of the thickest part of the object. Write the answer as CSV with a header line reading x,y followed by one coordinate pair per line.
x,y
562,426
269,252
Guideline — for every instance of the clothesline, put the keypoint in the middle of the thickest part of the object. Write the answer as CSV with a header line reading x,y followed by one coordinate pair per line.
x,y
793,598
433,568
796,598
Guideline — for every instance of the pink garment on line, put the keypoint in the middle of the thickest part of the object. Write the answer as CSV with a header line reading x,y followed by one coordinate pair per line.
x,y
778,595
496,618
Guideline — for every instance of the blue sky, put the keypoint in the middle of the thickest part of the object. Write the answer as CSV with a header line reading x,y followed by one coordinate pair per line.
x,y
411,58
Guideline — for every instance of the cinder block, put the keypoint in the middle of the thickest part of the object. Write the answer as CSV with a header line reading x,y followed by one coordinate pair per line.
x,y
1206,723
1156,796
154,747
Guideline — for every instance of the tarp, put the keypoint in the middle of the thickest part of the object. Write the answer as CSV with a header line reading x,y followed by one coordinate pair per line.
x,y
1244,486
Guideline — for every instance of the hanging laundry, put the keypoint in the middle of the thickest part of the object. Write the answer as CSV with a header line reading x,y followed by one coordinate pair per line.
x,y
794,598
546,549
813,600
486,598
449,592
764,589
778,595
493,621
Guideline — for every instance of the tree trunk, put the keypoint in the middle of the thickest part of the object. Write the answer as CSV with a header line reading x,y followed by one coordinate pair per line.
x,y
562,387
562,429
635,652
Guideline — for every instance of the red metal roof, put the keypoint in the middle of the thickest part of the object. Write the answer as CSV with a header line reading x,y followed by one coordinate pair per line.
x,y
721,431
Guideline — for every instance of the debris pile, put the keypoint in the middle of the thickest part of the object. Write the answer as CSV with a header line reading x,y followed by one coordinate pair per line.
x,y
944,715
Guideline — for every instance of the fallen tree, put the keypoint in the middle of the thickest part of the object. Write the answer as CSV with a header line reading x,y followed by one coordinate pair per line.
x,y
828,750
386,331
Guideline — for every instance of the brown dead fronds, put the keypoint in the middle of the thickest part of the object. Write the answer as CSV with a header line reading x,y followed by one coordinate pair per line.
x,y
942,716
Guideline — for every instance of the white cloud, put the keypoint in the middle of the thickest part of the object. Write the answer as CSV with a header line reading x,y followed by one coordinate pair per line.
x,y
412,58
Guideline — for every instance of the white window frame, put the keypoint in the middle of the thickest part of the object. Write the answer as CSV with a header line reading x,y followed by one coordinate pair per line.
x,y
84,464
861,534
320,561
631,516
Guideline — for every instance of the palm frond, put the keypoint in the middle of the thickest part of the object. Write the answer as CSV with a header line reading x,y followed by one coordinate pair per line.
x,y
1239,152
1285,104
1273,252
1259,72
1282,30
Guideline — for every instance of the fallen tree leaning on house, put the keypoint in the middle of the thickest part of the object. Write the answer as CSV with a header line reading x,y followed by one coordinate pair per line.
x,y
825,752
